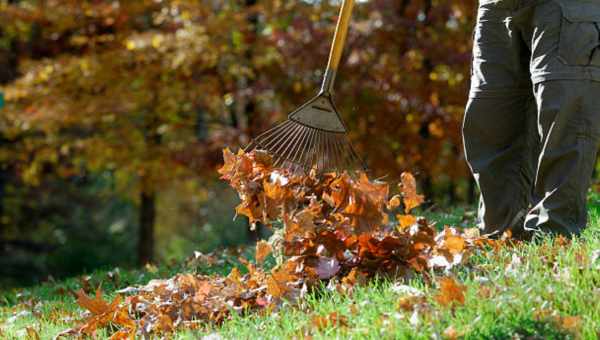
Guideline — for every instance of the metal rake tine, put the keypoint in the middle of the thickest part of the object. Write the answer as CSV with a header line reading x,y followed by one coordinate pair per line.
x,y
347,156
320,159
265,136
276,135
332,153
279,143
355,156
308,152
347,159
297,133
250,146
305,149
314,151
338,153
325,153
282,152
300,145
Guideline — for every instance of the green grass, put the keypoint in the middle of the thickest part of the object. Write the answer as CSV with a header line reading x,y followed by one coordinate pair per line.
x,y
529,300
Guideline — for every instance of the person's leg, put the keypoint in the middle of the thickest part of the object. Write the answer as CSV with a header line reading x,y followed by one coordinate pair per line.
x,y
564,38
499,117
569,120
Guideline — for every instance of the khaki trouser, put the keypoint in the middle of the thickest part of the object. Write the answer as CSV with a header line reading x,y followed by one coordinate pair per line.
x,y
532,123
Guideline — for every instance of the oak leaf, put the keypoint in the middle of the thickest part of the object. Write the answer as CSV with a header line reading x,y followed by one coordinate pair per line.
x,y
96,305
410,196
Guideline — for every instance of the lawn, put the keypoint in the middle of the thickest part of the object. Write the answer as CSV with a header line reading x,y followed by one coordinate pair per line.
x,y
546,290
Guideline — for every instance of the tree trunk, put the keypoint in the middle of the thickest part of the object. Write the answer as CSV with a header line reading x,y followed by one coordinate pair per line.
x,y
9,64
146,228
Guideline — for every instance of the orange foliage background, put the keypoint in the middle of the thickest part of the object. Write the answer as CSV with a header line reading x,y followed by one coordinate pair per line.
x,y
148,93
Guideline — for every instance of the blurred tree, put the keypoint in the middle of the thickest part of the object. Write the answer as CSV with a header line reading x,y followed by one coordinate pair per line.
x,y
404,80
150,91
44,236
119,88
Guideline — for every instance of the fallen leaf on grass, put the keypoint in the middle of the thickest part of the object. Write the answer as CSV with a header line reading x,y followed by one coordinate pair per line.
x,y
95,305
327,267
102,314
455,244
451,333
335,233
333,320
450,292
572,323
32,334
409,303
569,324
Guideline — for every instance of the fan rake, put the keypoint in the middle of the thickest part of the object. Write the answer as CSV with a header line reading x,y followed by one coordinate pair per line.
x,y
315,136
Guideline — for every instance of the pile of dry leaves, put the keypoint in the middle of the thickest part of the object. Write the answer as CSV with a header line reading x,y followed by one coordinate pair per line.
x,y
337,229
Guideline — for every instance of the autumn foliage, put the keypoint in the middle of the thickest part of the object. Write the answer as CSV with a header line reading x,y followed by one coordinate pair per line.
x,y
149,92
336,228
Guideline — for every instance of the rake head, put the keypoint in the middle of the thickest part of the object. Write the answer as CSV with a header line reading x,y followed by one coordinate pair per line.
x,y
313,137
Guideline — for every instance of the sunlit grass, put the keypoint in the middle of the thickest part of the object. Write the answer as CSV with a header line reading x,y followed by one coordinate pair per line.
x,y
537,290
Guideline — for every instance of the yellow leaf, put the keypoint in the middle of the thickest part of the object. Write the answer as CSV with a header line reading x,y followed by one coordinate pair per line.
x,y
405,221
455,244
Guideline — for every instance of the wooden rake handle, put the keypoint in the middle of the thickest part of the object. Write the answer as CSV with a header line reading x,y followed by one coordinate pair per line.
x,y
337,48
341,31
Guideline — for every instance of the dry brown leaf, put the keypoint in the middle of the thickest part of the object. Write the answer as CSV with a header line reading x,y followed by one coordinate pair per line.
x,y
451,333
409,303
32,333
333,320
410,196
450,292
455,244
571,324
274,288
327,267
123,334
263,249
97,305
335,231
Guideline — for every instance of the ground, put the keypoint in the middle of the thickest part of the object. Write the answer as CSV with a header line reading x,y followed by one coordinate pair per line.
x,y
546,290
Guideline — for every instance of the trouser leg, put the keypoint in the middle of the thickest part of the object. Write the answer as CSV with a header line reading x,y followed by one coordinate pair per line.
x,y
499,138
569,123
499,116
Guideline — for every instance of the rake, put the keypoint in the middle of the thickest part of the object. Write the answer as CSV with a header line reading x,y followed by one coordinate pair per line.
x,y
314,136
